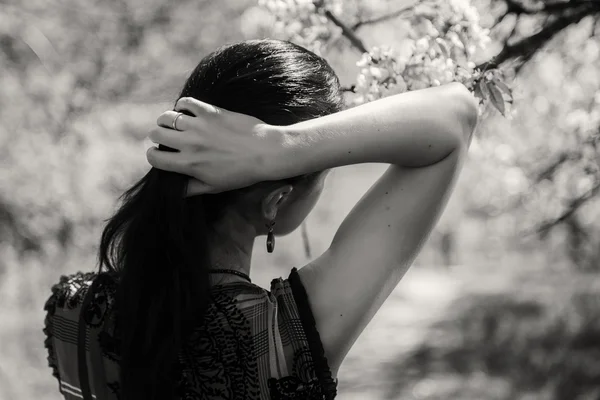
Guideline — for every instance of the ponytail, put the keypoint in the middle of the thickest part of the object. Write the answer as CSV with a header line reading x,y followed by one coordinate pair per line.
x,y
156,242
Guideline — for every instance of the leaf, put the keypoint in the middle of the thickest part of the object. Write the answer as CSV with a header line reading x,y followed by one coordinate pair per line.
x,y
507,90
477,92
485,92
443,47
496,97
502,86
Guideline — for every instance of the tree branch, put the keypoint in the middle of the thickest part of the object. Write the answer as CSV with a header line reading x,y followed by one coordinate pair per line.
x,y
568,5
516,7
346,31
306,241
528,46
574,205
567,155
382,18
549,171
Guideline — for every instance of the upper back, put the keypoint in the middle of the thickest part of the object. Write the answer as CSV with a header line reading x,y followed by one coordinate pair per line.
x,y
253,343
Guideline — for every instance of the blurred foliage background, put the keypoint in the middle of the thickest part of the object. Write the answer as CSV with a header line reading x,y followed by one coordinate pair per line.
x,y
502,303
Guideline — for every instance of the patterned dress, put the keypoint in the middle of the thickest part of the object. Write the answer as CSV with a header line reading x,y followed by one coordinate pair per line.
x,y
254,344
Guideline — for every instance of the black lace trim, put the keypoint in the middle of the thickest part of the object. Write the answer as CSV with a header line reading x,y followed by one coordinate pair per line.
x,y
312,335
50,308
60,298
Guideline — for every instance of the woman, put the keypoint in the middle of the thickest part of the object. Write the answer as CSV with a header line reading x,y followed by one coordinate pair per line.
x,y
172,313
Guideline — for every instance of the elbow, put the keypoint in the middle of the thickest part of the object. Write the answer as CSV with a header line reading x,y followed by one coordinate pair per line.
x,y
467,110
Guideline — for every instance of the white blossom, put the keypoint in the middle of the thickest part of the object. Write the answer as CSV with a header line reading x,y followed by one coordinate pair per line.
x,y
442,38
301,23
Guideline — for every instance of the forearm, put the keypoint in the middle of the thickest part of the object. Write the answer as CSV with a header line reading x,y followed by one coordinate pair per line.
x,y
411,129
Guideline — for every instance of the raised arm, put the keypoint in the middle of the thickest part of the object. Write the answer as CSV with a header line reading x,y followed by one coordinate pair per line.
x,y
424,135
413,129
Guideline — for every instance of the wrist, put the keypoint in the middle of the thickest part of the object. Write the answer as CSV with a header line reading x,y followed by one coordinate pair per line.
x,y
284,160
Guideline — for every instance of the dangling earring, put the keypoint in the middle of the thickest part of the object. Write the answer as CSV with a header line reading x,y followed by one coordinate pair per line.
x,y
270,237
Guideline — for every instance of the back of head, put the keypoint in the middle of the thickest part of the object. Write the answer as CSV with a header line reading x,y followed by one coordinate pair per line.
x,y
157,241
275,81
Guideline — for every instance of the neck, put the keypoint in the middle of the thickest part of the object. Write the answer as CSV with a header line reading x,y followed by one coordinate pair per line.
x,y
231,241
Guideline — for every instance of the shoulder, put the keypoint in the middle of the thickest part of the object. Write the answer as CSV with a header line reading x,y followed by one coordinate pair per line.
x,y
69,290
66,294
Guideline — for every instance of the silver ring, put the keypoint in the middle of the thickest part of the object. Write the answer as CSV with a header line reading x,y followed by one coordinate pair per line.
x,y
174,124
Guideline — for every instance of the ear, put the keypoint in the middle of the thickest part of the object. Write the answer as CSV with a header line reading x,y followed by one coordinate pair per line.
x,y
274,200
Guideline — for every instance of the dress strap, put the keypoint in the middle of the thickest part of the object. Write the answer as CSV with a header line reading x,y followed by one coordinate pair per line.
x,y
84,380
308,322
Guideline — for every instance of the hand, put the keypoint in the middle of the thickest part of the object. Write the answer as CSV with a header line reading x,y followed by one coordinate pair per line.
x,y
222,150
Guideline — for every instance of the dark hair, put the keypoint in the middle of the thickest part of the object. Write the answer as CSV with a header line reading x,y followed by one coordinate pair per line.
x,y
156,242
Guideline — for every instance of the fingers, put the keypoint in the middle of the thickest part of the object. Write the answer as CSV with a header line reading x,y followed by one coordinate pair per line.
x,y
173,162
196,107
171,138
190,109
167,161
166,119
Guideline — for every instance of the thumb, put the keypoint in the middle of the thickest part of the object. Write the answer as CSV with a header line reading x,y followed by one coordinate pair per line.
x,y
196,187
